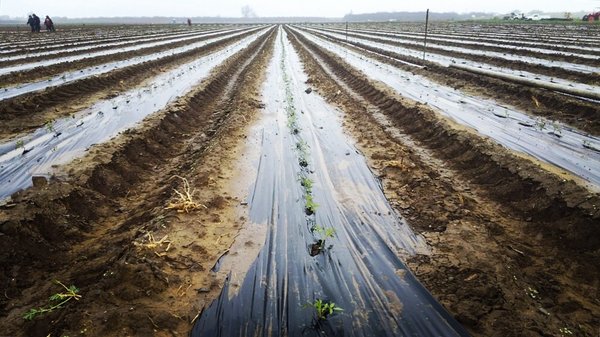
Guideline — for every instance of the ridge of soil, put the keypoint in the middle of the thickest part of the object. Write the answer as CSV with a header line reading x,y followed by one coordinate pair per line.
x,y
30,111
100,47
83,42
93,230
499,49
42,72
514,248
540,102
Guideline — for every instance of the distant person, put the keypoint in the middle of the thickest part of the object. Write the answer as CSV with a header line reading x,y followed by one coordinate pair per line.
x,y
36,23
31,23
189,22
49,24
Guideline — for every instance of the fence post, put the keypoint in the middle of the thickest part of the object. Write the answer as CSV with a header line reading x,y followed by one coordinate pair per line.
x,y
425,40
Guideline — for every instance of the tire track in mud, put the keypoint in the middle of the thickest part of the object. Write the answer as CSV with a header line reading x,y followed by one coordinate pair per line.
x,y
31,111
517,182
484,257
45,71
75,223
540,102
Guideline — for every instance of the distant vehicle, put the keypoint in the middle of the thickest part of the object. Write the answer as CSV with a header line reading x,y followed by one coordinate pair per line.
x,y
515,16
591,17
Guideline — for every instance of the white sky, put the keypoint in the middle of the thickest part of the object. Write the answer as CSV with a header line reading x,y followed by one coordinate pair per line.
x,y
232,8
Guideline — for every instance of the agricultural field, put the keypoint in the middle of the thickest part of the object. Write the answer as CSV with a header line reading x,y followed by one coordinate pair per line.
x,y
300,180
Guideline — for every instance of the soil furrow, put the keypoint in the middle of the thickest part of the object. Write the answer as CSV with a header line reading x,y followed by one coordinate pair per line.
x,y
502,231
469,38
92,230
45,71
57,51
496,48
570,110
30,111
576,76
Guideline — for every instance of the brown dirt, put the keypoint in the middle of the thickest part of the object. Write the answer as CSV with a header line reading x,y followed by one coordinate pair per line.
x,y
93,230
514,248
40,73
500,49
513,253
26,112
100,47
555,106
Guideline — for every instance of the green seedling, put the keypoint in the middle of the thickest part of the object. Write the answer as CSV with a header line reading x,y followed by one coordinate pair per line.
x,y
49,125
57,301
307,183
540,124
311,205
20,144
324,309
302,147
292,122
319,245
325,232
556,128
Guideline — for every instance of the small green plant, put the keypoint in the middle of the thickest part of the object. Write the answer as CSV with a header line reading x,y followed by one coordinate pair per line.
x,y
540,124
319,245
311,205
307,183
325,232
292,122
57,301
20,143
556,128
302,147
324,309
49,125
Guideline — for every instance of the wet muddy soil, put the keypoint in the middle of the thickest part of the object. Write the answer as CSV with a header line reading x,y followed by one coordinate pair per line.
x,y
514,248
501,261
30,111
570,110
142,269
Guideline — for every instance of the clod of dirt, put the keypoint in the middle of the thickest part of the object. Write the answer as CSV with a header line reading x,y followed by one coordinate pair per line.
x,y
315,248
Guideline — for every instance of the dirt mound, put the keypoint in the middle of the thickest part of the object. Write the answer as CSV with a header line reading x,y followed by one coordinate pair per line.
x,y
140,268
510,241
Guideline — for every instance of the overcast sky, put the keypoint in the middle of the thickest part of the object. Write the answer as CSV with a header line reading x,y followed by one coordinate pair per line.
x,y
232,8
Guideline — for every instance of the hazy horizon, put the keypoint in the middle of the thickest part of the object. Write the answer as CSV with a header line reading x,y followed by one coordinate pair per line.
x,y
270,8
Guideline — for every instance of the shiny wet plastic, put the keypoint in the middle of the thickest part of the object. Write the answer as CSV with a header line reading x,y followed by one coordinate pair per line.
x,y
357,266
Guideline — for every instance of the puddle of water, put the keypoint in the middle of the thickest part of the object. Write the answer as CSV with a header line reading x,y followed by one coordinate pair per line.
x,y
551,142
358,269
68,138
